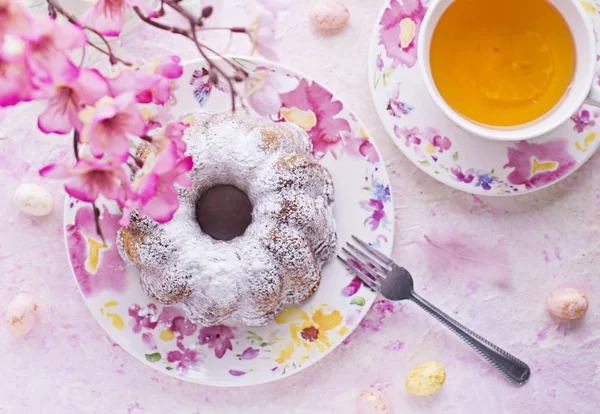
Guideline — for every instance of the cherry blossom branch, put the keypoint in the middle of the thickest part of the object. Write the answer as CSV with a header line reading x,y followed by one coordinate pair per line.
x,y
197,23
54,8
76,143
97,221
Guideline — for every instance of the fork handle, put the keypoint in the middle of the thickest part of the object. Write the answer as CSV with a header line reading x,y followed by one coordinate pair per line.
x,y
511,367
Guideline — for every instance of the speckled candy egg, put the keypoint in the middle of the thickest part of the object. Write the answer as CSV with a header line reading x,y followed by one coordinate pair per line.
x,y
567,303
329,15
426,378
21,315
34,200
372,401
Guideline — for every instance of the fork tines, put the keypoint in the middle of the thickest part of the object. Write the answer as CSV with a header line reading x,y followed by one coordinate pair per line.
x,y
371,266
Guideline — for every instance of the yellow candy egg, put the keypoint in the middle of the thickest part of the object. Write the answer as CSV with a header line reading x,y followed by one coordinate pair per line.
x,y
567,303
372,401
426,378
21,315
329,14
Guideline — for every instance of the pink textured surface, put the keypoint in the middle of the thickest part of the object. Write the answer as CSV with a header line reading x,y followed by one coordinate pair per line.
x,y
490,264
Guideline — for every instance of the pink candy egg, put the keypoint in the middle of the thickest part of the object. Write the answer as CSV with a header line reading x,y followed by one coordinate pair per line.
x,y
329,15
21,315
372,401
567,303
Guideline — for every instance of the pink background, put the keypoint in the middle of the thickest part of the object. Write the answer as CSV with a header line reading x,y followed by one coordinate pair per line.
x,y
496,262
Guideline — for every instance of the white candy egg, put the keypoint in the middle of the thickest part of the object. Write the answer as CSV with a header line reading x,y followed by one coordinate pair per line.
x,y
21,315
567,303
426,378
372,401
329,14
34,200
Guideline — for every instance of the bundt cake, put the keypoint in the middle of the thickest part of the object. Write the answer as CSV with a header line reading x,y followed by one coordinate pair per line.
x,y
251,235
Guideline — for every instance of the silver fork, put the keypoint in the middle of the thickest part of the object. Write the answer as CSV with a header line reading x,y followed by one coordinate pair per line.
x,y
395,283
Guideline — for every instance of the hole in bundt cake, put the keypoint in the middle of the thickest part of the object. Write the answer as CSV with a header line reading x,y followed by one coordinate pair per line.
x,y
224,212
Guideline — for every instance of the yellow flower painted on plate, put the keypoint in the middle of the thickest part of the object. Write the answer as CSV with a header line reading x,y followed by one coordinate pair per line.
x,y
543,166
407,32
166,335
304,119
94,257
285,353
310,331
117,322
363,133
591,137
588,7
430,149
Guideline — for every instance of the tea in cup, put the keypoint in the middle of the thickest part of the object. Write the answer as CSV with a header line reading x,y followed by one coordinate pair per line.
x,y
511,69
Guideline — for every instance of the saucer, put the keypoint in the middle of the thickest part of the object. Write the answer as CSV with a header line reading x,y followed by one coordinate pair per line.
x,y
443,150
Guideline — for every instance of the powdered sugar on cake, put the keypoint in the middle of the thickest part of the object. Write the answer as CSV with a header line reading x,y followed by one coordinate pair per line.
x,y
277,261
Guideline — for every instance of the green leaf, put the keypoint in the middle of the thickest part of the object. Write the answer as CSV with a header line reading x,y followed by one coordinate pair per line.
x,y
358,300
492,172
263,344
255,337
153,357
455,156
169,368
366,188
424,163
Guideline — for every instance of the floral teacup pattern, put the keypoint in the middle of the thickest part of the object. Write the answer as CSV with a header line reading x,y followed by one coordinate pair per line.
x,y
229,354
443,150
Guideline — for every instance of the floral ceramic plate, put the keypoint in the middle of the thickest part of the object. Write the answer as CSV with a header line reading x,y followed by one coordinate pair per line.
x,y
443,150
233,355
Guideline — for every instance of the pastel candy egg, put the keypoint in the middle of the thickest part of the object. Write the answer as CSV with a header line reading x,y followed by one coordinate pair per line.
x,y
426,378
567,303
372,401
21,315
329,15
34,200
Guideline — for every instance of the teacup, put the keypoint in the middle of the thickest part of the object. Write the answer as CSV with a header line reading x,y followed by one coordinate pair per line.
x,y
581,90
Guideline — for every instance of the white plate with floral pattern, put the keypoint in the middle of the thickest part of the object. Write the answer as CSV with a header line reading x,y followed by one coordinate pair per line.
x,y
233,355
443,150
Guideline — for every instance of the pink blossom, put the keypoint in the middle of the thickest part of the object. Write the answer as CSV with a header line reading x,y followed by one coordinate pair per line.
x,y
536,165
108,16
143,317
466,177
147,87
582,121
16,81
410,136
46,52
378,213
317,101
88,179
249,354
155,194
352,288
434,136
360,147
167,66
172,132
218,337
185,358
66,100
262,34
15,19
263,87
399,31
110,275
107,124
